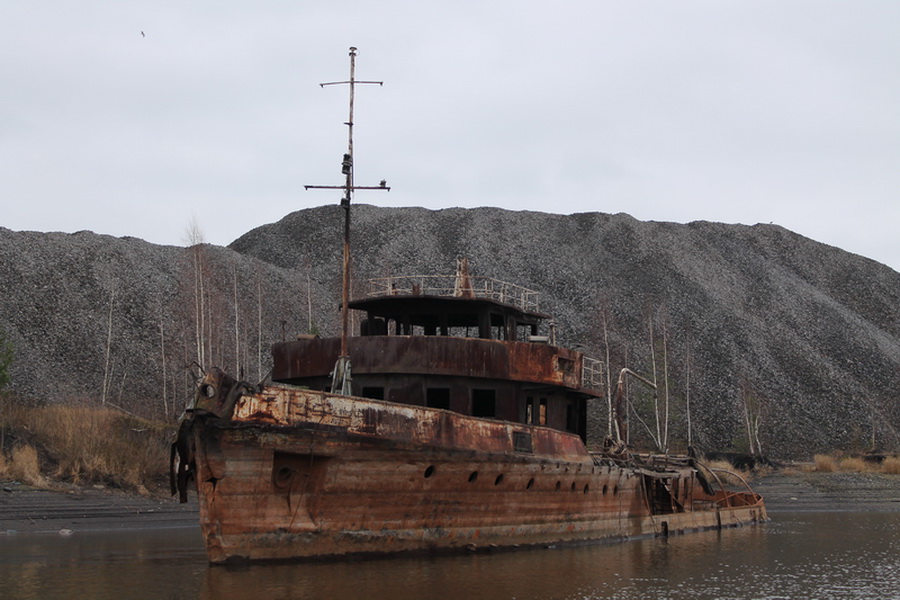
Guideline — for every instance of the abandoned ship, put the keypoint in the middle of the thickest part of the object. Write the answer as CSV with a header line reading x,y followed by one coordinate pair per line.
x,y
451,421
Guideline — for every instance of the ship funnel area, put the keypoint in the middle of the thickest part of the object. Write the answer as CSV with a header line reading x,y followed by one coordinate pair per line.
x,y
462,287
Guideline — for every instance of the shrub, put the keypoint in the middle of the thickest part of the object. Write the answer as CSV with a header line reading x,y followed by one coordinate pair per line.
x,y
824,463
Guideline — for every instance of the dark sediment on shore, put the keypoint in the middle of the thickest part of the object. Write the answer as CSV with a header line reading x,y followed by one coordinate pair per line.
x,y
25,510
795,490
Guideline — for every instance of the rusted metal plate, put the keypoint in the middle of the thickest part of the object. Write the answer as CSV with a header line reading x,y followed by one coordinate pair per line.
x,y
433,356
432,428
325,495
296,473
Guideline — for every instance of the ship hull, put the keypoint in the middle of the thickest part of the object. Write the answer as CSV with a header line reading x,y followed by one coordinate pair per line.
x,y
296,474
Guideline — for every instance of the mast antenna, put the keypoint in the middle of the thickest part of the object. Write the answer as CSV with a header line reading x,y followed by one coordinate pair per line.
x,y
341,379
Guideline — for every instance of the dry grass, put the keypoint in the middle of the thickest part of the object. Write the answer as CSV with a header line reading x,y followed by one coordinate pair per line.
x,y
84,444
726,472
891,465
24,466
827,463
824,463
855,465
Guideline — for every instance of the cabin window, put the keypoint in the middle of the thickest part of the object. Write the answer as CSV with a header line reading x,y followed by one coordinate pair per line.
x,y
498,325
565,365
376,393
437,398
462,332
529,410
522,442
484,403
542,415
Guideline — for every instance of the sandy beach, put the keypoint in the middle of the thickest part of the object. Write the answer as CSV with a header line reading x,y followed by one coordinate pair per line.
x,y
25,510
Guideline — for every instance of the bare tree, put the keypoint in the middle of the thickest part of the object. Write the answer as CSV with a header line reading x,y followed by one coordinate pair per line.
x,y
665,359
654,413
687,388
107,368
752,412
194,238
237,326
650,318
259,325
611,423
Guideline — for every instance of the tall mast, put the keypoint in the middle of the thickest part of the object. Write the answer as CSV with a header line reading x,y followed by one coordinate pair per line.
x,y
341,375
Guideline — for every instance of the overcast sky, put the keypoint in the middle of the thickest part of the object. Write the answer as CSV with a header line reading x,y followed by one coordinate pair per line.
x,y
739,112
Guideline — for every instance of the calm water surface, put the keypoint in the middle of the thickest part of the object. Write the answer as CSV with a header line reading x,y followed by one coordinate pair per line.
x,y
798,555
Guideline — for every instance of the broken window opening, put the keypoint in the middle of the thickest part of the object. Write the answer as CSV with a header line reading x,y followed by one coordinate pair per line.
x,y
484,403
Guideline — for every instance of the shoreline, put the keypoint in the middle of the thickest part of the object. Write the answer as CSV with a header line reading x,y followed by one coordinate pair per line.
x,y
28,510
793,490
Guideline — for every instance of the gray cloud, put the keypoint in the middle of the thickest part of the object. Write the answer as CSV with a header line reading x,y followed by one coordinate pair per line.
x,y
734,112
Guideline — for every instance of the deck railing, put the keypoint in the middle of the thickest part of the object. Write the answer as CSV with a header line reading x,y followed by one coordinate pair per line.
x,y
450,285
591,373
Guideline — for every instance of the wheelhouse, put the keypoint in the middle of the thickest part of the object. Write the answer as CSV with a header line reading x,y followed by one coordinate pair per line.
x,y
474,346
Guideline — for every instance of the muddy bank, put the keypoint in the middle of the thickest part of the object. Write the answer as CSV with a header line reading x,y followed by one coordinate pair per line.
x,y
794,490
25,510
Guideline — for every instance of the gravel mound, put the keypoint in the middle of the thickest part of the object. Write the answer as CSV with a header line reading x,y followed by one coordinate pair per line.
x,y
803,335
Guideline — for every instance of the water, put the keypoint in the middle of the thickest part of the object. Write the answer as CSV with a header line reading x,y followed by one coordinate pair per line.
x,y
797,556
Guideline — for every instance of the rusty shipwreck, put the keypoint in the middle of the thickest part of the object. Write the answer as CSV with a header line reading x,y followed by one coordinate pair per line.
x,y
460,425
465,428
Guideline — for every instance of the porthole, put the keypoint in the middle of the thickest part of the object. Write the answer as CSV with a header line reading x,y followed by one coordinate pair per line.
x,y
282,477
605,489
473,476
429,471
572,488
499,479
616,491
558,485
207,390
587,488
530,484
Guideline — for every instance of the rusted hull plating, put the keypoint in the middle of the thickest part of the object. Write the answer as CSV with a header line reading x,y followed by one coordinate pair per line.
x,y
290,473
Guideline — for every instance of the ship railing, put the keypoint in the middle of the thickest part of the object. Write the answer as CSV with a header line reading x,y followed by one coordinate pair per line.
x,y
591,373
450,285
